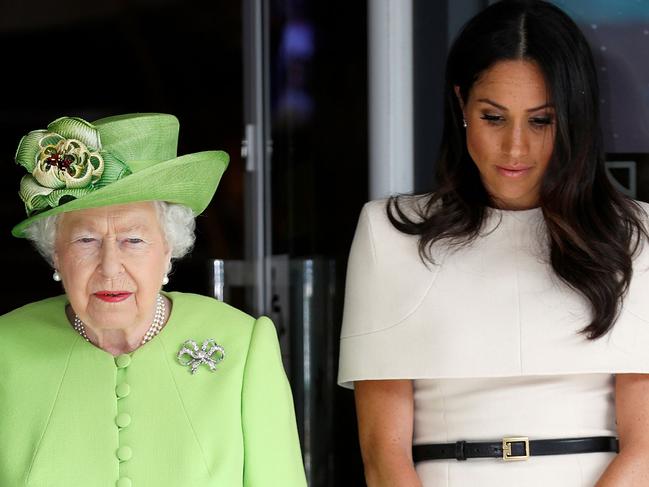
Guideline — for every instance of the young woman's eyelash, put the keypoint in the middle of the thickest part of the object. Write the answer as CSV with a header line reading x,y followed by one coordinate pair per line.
x,y
541,120
491,118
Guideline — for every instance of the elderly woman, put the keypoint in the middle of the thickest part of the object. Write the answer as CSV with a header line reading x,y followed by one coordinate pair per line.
x,y
116,382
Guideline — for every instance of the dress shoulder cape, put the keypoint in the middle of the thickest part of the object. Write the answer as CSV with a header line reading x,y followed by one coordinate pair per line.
x,y
493,308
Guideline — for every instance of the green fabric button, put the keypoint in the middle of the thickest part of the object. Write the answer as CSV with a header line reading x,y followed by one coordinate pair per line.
x,y
124,482
123,420
124,453
122,390
123,361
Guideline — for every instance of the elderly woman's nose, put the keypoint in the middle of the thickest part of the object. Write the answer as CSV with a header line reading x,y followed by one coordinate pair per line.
x,y
111,262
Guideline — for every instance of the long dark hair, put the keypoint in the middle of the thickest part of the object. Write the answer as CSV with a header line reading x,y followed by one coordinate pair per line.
x,y
593,230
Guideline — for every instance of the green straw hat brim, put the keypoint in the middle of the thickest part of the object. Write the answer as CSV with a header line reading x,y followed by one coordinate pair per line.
x,y
190,180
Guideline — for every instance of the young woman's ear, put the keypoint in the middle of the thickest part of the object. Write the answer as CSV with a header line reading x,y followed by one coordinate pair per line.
x,y
456,88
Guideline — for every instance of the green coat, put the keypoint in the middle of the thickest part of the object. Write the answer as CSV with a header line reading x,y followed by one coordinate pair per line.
x,y
72,415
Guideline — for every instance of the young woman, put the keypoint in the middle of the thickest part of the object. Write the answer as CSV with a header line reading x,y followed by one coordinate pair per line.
x,y
504,316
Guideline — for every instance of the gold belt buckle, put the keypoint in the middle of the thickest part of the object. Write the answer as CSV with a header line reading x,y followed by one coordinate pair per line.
x,y
507,448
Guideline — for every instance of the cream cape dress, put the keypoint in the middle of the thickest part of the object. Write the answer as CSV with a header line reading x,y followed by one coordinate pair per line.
x,y
491,338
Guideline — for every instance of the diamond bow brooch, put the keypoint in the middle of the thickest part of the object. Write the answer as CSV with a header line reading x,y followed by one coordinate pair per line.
x,y
210,354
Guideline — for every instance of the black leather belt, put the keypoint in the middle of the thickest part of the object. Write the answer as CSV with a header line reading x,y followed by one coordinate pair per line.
x,y
514,448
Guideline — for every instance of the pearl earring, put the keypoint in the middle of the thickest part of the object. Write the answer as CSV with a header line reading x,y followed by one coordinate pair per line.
x,y
165,280
56,276
464,123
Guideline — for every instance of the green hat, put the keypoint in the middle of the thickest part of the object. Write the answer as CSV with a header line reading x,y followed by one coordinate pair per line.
x,y
75,165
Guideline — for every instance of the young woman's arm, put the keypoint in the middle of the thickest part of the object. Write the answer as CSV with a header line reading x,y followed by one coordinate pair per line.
x,y
631,466
385,422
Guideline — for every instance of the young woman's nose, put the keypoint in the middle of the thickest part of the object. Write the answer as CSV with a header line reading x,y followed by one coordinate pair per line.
x,y
516,142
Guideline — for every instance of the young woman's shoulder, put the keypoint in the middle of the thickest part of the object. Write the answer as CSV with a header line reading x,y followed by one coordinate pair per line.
x,y
644,207
403,208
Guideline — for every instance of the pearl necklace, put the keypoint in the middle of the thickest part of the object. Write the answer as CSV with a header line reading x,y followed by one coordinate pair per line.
x,y
154,329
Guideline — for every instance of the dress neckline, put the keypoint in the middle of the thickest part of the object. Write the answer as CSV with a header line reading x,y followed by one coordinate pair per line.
x,y
532,214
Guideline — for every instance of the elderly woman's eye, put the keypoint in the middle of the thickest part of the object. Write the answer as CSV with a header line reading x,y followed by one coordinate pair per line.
x,y
134,240
86,239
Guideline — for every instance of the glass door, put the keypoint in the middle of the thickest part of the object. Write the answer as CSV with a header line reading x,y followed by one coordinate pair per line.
x,y
306,147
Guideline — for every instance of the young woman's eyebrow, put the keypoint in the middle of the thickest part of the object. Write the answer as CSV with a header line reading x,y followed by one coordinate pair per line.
x,y
501,107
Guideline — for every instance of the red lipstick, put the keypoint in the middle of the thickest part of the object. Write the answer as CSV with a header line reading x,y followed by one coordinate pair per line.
x,y
112,296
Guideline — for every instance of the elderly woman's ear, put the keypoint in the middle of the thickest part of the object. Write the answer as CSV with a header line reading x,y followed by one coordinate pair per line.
x,y
55,262
165,278
168,256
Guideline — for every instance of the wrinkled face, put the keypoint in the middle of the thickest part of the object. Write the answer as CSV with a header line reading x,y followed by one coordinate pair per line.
x,y
510,133
112,261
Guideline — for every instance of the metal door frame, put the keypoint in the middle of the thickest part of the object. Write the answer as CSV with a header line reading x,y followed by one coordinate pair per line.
x,y
256,151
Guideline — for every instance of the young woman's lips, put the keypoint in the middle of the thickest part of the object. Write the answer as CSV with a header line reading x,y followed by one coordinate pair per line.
x,y
513,172
112,296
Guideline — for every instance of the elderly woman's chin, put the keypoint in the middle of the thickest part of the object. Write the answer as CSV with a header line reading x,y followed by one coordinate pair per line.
x,y
127,313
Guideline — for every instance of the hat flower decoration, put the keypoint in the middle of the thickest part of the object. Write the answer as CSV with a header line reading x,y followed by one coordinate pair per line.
x,y
65,161
74,165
